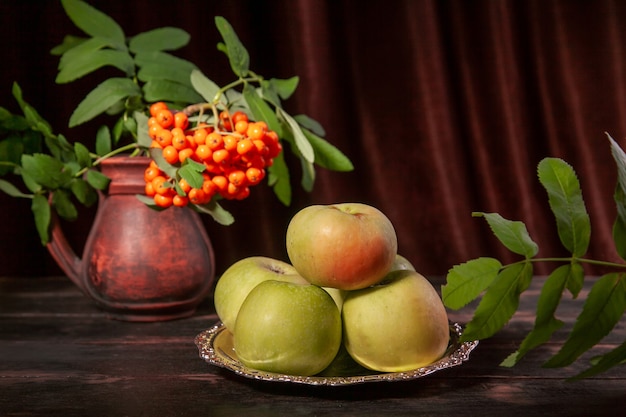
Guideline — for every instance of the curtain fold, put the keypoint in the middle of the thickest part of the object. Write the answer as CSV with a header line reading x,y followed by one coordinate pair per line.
x,y
445,108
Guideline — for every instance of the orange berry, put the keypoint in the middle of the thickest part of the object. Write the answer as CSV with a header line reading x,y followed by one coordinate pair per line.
x,y
215,141
164,137
221,182
255,175
244,146
179,141
243,193
153,130
160,185
183,154
199,136
241,126
212,167
256,131
155,144
230,143
151,173
180,201
237,177
170,154
209,187
184,185
181,120
231,190
239,116
204,152
164,201
149,190
156,107
197,196
165,118
220,156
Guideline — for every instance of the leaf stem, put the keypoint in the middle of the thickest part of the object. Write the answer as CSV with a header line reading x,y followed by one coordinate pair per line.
x,y
131,146
572,259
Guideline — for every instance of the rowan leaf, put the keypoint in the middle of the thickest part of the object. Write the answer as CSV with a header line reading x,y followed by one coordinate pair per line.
x,y
278,179
42,214
513,234
102,97
97,179
619,227
604,362
500,302
237,53
602,310
63,205
545,321
95,23
204,86
566,201
303,145
261,110
216,211
285,87
12,190
165,90
87,63
466,281
311,124
160,39
103,141
327,155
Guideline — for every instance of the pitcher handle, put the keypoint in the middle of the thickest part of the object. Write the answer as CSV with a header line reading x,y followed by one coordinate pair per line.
x,y
63,253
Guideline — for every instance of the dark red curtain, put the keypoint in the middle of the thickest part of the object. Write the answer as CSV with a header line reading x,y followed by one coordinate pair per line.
x,y
445,107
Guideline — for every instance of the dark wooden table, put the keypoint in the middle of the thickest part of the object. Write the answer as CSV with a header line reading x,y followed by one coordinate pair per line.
x,y
60,356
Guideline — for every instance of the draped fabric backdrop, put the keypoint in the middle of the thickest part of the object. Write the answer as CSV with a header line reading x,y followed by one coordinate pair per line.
x,y
444,107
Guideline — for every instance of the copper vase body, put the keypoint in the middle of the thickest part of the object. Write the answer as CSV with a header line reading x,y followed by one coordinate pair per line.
x,y
139,264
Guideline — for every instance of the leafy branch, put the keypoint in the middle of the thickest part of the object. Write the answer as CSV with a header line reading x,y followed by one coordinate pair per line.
x,y
499,286
56,171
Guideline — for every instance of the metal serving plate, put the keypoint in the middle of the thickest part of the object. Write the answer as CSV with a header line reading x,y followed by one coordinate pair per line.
x,y
215,346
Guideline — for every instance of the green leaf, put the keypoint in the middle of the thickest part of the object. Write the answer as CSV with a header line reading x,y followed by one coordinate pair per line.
x,y
604,362
82,154
45,170
326,155
545,321
95,23
165,90
237,53
278,179
204,86
151,72
33,118
310,124
97,179
89,62
103,141
308,175
466,281
499,302
41,211
63,205
69,42
191,171
302,143
102,97
85,48
12,190
216,211
261,110
619,226
566,202
84,192
143,137
159,59
603,309
513,234
285,87
160,39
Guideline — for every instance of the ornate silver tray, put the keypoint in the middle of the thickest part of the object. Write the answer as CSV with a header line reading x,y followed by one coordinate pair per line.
x,y
215,346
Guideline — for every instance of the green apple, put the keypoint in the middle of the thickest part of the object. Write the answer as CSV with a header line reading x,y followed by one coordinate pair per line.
x,y
288,328
337,295
346,246
240,278
397,325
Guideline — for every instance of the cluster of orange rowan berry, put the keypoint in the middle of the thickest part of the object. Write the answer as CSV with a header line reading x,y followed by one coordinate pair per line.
x,y
234,150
